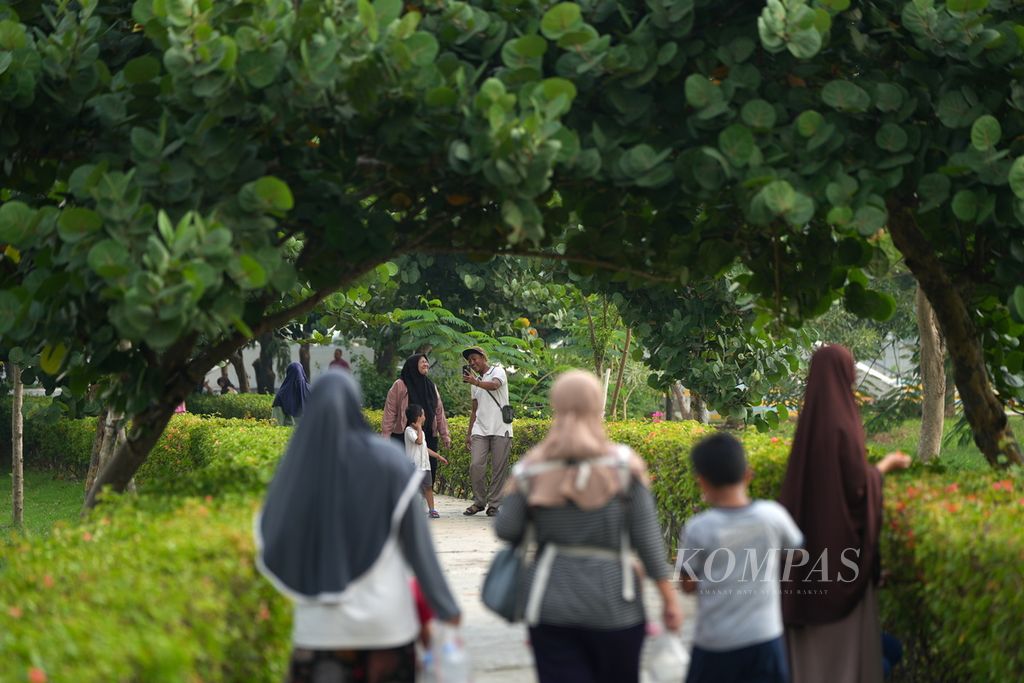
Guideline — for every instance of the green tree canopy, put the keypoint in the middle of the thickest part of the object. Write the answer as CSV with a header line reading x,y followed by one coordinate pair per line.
x,y
182,174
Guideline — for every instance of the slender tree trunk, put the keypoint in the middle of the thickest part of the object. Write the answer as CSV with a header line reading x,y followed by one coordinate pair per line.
x,y
265,376
668,406
243,377
304,359
685,409
700,411
17,449
984,412
97,448
950,397
622,370
384,360
933,377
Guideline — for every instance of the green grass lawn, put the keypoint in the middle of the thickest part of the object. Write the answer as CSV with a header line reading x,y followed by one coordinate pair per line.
x,y
956,456
47,500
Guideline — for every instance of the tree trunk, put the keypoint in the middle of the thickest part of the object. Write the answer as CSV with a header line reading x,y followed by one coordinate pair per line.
x,y
668,406
304,359
97,448
384,361
950,398
685,409
243,377
264,368
129,455
984,413
933,378
622,370
700,411
17,449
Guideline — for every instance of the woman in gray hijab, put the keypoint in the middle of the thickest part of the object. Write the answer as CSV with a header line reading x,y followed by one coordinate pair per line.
x,y
338,534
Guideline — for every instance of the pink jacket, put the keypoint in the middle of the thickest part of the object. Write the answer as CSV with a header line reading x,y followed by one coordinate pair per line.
x,y
394,412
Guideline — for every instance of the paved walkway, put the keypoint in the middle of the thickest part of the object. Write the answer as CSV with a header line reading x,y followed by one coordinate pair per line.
x,y
499,651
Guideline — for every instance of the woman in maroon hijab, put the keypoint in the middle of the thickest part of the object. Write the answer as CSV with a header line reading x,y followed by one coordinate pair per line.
x,y
829,604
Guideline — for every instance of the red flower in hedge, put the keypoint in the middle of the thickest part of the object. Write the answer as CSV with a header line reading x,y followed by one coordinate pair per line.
x,y
952,507
1004,485
952,488
36,675
15,612
913,491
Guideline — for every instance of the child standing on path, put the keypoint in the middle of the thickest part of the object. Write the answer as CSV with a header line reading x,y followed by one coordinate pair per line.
x,y
416,449
729,555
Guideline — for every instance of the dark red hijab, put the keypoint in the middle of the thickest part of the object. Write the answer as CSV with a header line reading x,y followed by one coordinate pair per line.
x,y
833,494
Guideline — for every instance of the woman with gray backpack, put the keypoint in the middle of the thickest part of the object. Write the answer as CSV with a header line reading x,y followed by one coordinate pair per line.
x,y
586,502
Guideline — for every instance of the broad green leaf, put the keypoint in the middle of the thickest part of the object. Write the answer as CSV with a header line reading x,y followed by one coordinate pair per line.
x,y
932,191
868,220
562,18
249,273
1016,302
368,18
52,357
845,96
985,133
698,90
109,259
442,96
809,122
868,303
10,308
16,220
146,143
77,222
779,196
142,69
888,97
1017,177
555,87
423,48
737,143
965,205
891,137
759,115
966,5
268,194
529,46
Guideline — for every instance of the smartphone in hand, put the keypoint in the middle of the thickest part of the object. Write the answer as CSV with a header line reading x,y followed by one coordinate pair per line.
x,y
466,370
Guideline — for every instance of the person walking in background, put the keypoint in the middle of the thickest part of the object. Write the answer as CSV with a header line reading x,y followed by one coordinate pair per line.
x,y
419,454
739,618
588,502
339,363
290,399
225,384
414,386
337,535
489,438
833,631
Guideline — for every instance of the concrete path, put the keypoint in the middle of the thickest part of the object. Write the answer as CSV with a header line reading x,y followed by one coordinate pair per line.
x,y
499,651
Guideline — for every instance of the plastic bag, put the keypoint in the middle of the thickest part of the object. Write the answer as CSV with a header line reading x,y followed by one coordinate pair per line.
x,y
665,659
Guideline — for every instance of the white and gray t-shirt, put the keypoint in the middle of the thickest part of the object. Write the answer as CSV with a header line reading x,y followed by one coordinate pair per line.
x,y
488,405
735,554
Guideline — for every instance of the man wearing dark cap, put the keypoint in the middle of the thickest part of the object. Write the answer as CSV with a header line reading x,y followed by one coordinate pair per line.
x,y
489,437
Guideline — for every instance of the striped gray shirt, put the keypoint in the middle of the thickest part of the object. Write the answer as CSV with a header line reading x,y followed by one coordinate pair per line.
x,y
587,591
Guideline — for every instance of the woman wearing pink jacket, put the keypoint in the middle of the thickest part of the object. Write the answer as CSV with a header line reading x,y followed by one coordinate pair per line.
x,y
413,386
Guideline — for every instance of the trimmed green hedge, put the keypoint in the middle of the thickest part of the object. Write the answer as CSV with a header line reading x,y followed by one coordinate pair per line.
x,y
955,592
151,590
955,595
256,406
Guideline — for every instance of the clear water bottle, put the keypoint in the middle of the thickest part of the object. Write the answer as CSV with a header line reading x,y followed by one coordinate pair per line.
x,y
666,659
428,674
452,659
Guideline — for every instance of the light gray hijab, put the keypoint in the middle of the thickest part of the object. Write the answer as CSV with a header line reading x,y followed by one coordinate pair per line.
x,y
328,510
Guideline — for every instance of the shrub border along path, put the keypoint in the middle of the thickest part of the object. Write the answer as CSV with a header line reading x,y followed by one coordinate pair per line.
x,y
162,587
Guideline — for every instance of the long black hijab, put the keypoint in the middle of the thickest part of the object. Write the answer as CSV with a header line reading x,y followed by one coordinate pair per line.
x,y
421,390
328,510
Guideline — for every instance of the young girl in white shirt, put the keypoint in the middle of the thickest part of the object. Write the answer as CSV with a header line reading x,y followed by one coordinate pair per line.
x,y
416,449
